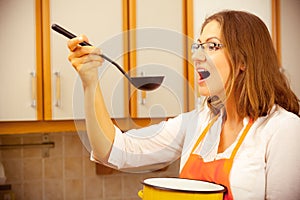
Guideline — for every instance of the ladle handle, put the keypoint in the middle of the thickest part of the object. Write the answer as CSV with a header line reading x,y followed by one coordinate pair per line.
x,y
70,35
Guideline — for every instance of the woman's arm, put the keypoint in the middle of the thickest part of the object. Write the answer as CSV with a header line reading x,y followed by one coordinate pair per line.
x,y
283,161
100,128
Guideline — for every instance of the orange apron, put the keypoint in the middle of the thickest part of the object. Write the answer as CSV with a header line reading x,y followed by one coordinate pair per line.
x,y
216,171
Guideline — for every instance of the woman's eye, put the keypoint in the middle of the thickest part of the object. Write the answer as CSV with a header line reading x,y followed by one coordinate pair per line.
x,y
212,46
202,46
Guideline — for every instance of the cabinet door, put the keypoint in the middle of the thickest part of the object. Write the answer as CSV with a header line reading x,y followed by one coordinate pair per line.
x,y
203,9
102,22
18,74
159,42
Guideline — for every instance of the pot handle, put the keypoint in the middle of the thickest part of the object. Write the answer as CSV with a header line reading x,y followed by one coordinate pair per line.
x,y
141,193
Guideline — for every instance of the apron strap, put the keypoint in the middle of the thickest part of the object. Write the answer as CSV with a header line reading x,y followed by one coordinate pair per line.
x,y
240,141
228,165
204,133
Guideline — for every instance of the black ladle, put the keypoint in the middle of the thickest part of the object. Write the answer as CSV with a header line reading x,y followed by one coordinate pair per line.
x,y
142,83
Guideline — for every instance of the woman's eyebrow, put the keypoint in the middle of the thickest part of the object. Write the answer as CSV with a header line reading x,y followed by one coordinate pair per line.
x,y
210,38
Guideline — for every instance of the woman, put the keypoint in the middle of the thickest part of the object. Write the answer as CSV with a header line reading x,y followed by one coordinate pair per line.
x,y
244,136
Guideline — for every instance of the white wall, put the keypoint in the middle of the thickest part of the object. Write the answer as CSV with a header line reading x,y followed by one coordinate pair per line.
x,y
290,41
204,8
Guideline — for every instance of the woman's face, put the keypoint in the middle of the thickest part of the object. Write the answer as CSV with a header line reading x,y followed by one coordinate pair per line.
x,y
211,61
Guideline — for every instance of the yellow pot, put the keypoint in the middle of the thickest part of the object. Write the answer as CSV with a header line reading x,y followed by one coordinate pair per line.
x,y
180,189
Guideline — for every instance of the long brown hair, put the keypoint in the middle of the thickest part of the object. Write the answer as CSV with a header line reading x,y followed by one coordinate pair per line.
x,y
261,84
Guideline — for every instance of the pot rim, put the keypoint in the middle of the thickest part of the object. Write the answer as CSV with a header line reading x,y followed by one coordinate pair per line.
x,y
223,190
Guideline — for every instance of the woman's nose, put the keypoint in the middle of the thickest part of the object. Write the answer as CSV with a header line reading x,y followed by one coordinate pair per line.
x,y
199,56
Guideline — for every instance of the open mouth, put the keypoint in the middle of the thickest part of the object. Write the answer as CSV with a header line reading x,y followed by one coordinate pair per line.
x,y
203,73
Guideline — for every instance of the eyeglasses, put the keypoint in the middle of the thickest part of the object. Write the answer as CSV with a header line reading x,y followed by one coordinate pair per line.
x,y
207,46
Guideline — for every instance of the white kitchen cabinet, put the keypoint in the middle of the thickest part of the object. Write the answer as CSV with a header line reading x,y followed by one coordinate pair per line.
x,y
41,85
159,50
19,72
102,22
37,81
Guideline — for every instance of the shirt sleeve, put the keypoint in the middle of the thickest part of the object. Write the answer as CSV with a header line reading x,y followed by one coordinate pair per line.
x,y
156,144
283,161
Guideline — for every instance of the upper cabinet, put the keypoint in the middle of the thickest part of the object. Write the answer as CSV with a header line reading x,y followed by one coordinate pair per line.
x,y
157,44
145,37
20,61
37,81
145,42
103,22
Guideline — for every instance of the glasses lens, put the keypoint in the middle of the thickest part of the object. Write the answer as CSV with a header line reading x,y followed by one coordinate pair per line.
x,y
207,46
195,47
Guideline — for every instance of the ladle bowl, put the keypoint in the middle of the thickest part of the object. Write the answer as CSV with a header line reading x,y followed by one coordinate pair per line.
x,y
147,83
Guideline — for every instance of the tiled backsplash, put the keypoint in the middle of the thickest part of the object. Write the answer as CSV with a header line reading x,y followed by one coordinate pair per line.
x,y
67,173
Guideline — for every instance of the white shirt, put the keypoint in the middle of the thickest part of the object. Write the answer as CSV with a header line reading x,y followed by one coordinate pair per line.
x,y
266,166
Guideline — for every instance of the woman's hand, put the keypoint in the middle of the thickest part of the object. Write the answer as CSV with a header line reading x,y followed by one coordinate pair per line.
x,y
100,128
85,60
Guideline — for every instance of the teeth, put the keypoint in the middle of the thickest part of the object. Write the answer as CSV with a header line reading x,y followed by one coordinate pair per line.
x,y
201,70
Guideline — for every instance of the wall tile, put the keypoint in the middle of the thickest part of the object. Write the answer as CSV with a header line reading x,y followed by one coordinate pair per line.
x,y
11,139
72,145
112,186
94,188
132,198
17,188
33,190
132,184
74,189
73,167
11,153
32,152
32,169
53,189
13,169
53,168
67,173
32,138
57,138
89,167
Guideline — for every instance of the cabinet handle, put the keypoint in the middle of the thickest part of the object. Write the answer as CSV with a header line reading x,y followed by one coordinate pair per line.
x,y
57,89
143,93
33,89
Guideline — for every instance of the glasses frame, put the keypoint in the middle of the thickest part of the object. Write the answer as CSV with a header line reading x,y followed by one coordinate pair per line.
x,y
207,46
